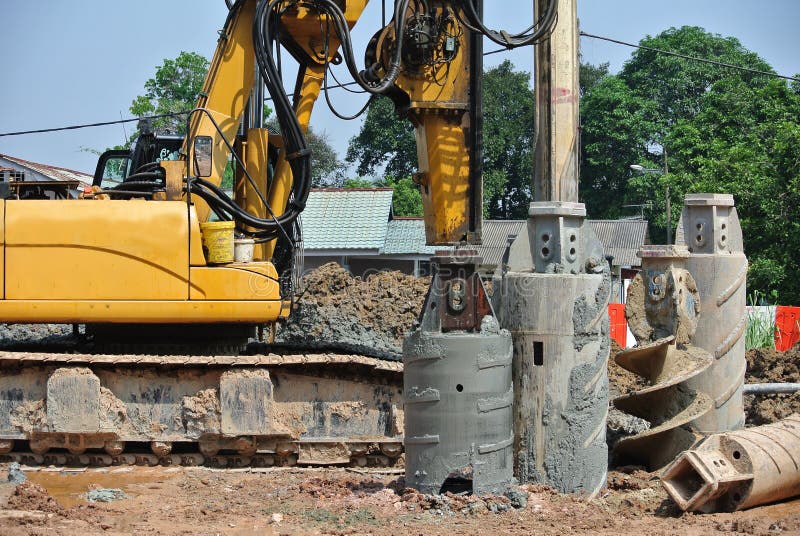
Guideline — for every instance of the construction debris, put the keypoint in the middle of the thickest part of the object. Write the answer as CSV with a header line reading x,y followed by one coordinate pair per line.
x,y
766,365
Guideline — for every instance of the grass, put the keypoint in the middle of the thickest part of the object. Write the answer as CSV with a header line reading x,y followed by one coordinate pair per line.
x,y
760,332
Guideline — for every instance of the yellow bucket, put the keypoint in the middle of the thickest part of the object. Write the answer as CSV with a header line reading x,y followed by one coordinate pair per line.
x,y
218,241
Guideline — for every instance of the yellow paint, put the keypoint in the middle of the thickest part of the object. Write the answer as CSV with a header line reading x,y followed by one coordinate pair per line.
x,y
175,171
196,256
444,180
225,93
141,311
256,162
438,108
251,281
88,249
283,180
2,248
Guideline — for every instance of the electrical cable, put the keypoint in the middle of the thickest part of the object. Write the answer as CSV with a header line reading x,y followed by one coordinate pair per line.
x,y
326,70
688,57
90,125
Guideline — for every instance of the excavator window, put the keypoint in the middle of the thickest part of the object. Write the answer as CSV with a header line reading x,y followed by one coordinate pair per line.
x,y
112,168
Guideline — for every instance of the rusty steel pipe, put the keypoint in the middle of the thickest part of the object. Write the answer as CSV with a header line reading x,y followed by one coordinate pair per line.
x,y
737,470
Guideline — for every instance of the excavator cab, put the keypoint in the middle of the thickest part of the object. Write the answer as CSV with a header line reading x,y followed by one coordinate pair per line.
x,y
114,165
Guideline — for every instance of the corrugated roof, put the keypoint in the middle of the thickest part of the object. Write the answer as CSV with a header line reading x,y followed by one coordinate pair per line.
x,y
621,239
406,236
54,172
495,239
336,219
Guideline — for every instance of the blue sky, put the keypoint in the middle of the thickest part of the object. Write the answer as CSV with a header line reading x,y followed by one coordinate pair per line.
x,y
65,62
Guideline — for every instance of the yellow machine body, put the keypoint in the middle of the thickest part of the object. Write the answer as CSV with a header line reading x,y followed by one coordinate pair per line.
x,y
128,261
98,260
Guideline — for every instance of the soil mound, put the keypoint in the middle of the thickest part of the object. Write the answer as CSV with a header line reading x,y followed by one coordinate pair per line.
x,y
335,309
766,365
30,496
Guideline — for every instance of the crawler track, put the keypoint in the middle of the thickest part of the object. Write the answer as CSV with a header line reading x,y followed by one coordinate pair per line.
x,y
83,409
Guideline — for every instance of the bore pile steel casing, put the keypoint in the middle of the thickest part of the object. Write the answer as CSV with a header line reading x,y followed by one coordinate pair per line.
x,y
553,298
458,397
737,470
710,228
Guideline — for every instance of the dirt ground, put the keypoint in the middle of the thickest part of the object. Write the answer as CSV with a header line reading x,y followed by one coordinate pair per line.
x,y
768,366
339,501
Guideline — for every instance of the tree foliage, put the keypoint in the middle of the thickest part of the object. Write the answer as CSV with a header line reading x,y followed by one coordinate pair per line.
x,y
174,88
716,129
406,198
385,144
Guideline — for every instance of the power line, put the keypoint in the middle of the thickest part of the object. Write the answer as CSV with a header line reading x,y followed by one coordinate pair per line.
x,y
687,57
491,52
88,125
122,121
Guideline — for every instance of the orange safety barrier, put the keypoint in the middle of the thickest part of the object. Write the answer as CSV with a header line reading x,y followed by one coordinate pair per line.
x,y
787,327
619,325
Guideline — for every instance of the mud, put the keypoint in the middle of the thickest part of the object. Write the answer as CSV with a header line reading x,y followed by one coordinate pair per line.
x,y
319,501
335,309
770,366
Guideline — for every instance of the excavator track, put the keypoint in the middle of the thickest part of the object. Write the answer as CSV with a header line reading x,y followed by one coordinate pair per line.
x,y
83,409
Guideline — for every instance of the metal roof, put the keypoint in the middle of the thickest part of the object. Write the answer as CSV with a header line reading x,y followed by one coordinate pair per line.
x,y
50,172
406,236
346,219
621,239
495,239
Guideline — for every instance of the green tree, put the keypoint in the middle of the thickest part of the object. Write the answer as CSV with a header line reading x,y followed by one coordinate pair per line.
x,y
359,183
174,88
385,144
724,130
407,200
327,170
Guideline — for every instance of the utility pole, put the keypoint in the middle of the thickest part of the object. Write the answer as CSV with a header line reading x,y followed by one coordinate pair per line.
x,y
556,115
669,208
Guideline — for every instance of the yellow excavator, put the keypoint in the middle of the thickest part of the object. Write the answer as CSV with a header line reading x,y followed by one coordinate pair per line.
x,y
136,259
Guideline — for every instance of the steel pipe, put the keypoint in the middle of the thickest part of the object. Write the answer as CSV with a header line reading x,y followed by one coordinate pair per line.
x,y
770,388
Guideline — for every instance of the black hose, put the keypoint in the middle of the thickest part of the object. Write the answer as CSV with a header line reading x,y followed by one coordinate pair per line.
x,y
541,28
132,193
139,184
143,177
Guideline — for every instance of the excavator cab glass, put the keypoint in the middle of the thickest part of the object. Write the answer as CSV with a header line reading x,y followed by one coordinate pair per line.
x,y
112,168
